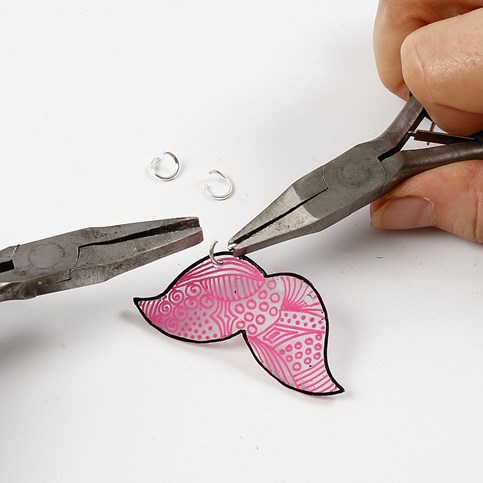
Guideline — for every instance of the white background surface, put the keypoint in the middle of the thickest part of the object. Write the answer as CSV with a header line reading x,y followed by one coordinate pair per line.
x,y
264,91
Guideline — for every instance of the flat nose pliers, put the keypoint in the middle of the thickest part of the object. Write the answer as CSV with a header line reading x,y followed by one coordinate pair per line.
x,y
353,180
90,256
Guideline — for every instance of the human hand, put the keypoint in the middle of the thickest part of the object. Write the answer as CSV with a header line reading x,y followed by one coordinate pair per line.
x,y
434,49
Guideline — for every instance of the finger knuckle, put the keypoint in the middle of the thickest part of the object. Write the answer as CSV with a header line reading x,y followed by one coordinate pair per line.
x,y
420,69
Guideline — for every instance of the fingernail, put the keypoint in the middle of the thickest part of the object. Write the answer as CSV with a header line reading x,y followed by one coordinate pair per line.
x,y
404,213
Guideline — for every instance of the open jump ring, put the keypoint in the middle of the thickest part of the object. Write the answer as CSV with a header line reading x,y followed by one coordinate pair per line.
x,y
212,254
223,196
155,163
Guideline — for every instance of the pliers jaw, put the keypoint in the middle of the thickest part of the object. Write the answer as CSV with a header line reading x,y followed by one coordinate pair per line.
x,y
90,256
317,200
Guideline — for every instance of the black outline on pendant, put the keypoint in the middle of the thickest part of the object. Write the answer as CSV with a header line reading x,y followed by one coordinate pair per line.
x,y
243,331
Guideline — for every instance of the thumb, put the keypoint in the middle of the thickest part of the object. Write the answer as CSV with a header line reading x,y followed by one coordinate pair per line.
x,y
442,65
450,198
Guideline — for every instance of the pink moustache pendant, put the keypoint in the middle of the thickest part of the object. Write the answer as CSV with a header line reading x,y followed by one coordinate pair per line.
x,y
281,317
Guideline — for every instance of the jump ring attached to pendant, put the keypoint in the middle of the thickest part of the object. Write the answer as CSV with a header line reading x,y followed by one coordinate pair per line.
x,y
212,254
157,160
221,197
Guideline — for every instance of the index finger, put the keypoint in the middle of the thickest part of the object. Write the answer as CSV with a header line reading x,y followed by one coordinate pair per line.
x,y
395,20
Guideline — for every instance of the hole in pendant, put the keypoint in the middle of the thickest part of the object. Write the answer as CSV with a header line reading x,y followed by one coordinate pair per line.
x,y
310,299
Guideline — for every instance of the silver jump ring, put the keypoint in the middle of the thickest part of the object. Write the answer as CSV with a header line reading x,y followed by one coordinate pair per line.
x,y
157,160
221,197
212,254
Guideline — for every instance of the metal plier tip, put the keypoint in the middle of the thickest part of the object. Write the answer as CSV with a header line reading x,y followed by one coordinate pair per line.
x,y
90,256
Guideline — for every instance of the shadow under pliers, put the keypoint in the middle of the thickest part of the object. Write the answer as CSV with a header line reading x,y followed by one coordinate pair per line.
x,y
90,256
353,180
